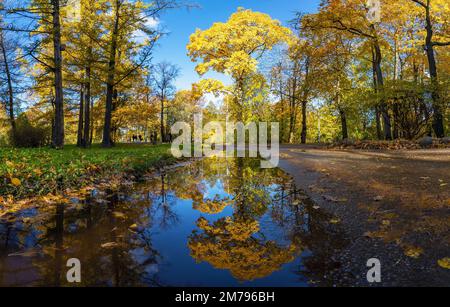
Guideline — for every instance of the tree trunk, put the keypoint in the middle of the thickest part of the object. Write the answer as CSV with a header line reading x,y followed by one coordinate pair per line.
x,y
343,123
396,120
304,103
380,86
87,109
107,140
12,119
378,123
58,131
438,119
163,132
377,107
80,119
91,137
293,111
304,123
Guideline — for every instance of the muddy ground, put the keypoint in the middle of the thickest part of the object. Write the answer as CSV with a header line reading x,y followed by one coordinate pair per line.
x,y
391,205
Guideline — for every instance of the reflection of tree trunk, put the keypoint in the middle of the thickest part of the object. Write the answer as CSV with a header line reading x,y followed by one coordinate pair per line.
x,y
241,202
163,189
59,243
115,257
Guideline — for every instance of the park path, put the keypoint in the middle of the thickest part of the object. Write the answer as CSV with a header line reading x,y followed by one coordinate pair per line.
x,y
392,205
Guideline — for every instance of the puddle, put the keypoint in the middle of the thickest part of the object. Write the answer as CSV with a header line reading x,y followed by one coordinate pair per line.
x,y
214,222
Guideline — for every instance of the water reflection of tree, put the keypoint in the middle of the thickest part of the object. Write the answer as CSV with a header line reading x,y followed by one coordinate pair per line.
x,y
232,244
236,243
80,234
308,226
163,202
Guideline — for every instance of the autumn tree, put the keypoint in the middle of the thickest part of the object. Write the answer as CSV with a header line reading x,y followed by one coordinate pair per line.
x,y
435,18
126,18
164,75
234,48
10,74
351,17
48,26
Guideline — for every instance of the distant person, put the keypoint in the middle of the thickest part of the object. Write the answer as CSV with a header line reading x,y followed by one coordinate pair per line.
x,y
134,138
140,138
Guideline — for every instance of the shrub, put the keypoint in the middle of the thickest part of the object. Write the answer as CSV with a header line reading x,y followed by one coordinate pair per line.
x,y
28,135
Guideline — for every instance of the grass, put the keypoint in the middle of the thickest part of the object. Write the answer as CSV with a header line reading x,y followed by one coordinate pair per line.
x,y
39,171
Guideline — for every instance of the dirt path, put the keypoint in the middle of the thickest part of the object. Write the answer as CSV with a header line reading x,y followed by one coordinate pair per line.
x,y
394,206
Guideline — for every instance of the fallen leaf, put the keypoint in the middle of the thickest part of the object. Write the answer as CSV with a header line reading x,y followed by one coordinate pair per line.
x,y
110,245
28,253
335,221
16,182
413,252
444,263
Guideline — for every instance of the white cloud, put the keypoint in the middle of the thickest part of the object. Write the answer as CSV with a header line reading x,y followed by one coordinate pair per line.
x,y
152,22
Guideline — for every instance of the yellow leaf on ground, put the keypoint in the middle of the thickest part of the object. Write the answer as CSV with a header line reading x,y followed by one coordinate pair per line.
x,y
37,171
444,263
335,221
413,252
16,182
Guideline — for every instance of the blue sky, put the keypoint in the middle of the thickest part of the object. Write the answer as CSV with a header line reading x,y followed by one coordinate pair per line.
x,y
182,23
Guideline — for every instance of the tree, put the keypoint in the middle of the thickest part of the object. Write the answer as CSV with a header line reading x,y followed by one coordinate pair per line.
x,y
351,17
430,43
58,133
10,70
234,48
126,18
164,75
